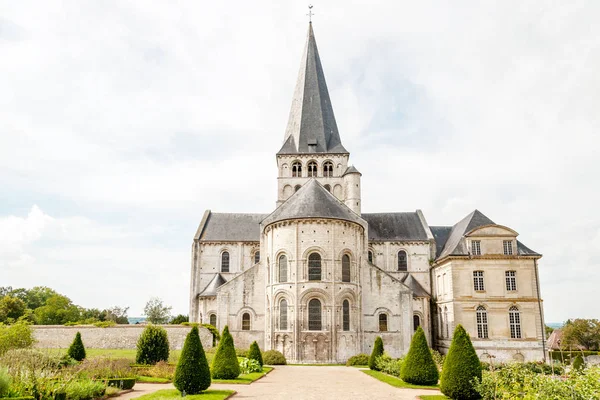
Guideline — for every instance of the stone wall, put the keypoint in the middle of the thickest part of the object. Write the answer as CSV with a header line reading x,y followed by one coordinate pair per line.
x,y
115,337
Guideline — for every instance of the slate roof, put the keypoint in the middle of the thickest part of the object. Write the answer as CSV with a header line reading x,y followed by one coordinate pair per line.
x,y
232,227
311,125
211,289
415,286
395,226
351,170
523,250
456,244
312,200
440,234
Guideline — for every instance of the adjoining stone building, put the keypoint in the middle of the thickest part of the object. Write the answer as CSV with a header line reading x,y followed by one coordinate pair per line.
x,y
319,280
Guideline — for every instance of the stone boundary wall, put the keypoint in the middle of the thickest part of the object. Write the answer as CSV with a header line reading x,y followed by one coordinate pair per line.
x,y
114,337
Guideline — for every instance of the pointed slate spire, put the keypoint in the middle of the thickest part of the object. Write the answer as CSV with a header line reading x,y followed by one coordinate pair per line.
x,y
311,125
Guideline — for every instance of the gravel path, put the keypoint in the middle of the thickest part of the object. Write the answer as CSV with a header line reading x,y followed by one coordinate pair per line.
x,y
296,382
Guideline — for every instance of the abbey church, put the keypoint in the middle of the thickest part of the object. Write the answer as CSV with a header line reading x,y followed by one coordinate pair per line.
x,y
319,280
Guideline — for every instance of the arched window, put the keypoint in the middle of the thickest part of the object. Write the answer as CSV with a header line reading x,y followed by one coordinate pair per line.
x,y
296,188
482,322
328,169
225,261
402,261
416,322
440,323
212,319
314,315
328,188
383,322
346,315
446,322
514,317
345,268
312,169
296,169
283,320
283,269
246,322
314,267
370,256
256,257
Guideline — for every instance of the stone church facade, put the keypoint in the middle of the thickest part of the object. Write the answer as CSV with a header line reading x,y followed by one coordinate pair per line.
x,y
319,280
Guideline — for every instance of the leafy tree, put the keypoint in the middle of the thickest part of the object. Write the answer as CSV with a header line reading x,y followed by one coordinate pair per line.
x,y
548,330
582,332
192,375
254,353
179,319
93,314
77,350
58,310
578,363
225,364
418,367
5,290
377,351
11,308
117,314
152,346
156,312
461,368
35,297
16,336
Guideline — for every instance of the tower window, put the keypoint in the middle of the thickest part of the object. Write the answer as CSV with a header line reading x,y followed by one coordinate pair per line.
x,y
482,322
478,281
416,322
511,280
256,257
246,322
296,169
212,319
283,269
312,169
476,247
345,268
328,169
346,315
383,322
314,267
402,261
514,317
508,247
314,315
283,319
370,256
225,261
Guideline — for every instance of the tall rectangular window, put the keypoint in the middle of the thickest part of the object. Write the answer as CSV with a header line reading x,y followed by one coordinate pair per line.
x,y
514,318
476,247
511,280
478,281
508,247
482,322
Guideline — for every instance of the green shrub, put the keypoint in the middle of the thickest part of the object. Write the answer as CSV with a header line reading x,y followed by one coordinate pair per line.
x,y
438,358
104,324
273,357
121,383
4,381
180,319
161,369
418,367
152,346
16,336
225,364
377,351
249,365
254,353
578,364
84,389
461,368
77,350
100,368
192,375
388,365
359,359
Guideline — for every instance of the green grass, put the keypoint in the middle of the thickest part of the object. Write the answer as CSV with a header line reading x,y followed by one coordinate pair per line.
x,y
245,379
166,394
434,397
151,379
116,353
317,365
396,382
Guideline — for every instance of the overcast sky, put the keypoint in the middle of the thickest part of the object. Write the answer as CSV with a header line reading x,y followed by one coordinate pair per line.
x,y
122,121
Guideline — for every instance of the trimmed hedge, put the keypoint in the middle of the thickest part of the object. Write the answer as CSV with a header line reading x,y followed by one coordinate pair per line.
x,y
359,359
77,350
273,357
254,353
192,375
225,364
121,383
377,351
418,367
152,346
461,368
568,355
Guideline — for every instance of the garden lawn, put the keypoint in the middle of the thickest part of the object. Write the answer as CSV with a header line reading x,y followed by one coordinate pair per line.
x,y
117,353
245,379
174,394
394,381
151,379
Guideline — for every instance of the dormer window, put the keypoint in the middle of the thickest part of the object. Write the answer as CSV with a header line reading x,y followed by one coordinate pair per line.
x,y
312,169
328,169
508,248
296,169
476,247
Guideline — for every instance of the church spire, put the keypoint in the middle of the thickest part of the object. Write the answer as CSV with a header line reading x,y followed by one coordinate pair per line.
x,y
311,125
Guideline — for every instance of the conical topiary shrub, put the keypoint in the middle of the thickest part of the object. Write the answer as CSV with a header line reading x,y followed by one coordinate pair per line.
x,y
77,350
254,353
192,375
377,351
152,346
225,364
461,368
418,367
578,363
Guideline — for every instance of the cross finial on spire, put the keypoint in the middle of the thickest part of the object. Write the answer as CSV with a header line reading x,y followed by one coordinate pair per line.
x,y
310,13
